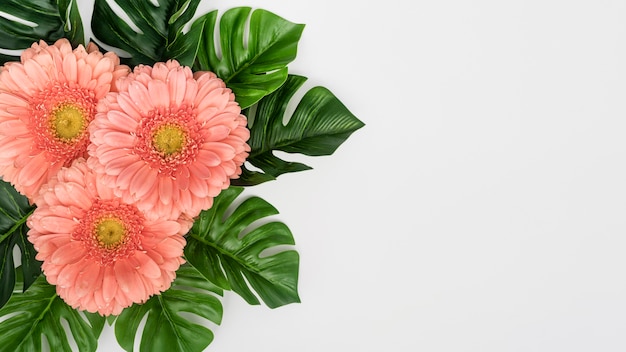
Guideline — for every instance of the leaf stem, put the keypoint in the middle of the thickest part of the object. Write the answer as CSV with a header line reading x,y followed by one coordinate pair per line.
x,y
17,224
40,317
224,253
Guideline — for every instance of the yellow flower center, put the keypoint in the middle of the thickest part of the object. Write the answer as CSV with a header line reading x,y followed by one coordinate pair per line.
x,y
68,122
169,139
110,232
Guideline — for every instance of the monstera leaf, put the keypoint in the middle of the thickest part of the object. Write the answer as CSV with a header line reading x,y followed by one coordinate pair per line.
x,y
32,20
14,210
252,66
220,250
73,24
318,126
40,312
160,30
166,329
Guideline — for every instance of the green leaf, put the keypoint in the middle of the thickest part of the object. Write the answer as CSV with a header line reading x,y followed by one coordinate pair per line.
x,y
160,35
14,210
39,311
219,249
318,126
29,21
255,68
97,323
73,24
166,329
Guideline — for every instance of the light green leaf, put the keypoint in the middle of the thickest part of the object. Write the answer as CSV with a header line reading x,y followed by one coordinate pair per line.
x,y
14,210
318,126
29,21
219,249
252,68
160,35
166,330
38,312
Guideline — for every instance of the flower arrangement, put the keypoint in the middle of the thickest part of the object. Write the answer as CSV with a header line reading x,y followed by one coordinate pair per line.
x,y
119,168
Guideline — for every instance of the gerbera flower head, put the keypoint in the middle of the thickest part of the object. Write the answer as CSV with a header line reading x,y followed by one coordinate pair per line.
x,y
169,140
47,100
102,254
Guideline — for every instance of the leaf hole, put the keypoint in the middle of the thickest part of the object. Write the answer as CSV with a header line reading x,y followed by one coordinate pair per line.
x,y
251,114
155,3
268,252
179,13
11,52
217,45
232,207
139,332
83,316
18,20
17,256
198,320
121,53
68,23
246,31
253,226
251,167
9,316
117,10
292,157
70,339
295,101
45,345
254,292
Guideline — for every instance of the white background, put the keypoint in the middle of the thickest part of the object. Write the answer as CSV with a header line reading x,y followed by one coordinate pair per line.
x,y
482,206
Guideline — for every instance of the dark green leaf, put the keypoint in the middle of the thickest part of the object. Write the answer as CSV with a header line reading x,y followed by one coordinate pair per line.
x,y
318,126
217,249
255,68
73,24
160,37
39,311
166,329
44,21
14,210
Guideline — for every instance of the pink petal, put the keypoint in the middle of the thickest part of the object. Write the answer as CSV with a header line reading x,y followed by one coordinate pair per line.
x,y
87,279
36,73
159,93
84,73
198,187
67,275
52,224
165,190
164,228
68,254
124,178
148,267
33,171
69,68
139,95
119,139
127,105
122,121
109,284
125,275
177,83
115,166
143,182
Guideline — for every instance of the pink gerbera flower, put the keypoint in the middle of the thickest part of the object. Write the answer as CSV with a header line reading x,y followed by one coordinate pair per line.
x,y
102,253
47,100
169,141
